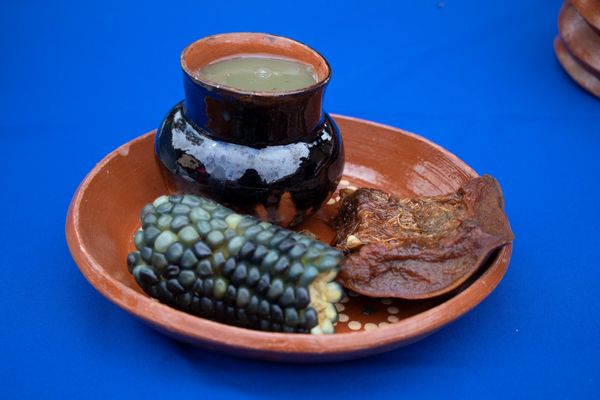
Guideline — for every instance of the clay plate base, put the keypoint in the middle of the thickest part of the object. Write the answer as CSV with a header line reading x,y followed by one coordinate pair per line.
x,y
104,214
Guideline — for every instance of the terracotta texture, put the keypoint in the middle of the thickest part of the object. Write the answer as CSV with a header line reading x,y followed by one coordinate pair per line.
x,y
104,214
575,69
577,46
590,11
582,41
220,46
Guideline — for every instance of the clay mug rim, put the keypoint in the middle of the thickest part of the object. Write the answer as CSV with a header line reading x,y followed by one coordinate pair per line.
x,y
226,45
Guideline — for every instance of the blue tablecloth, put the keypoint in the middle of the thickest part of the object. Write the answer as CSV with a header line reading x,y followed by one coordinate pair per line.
x,y
77,79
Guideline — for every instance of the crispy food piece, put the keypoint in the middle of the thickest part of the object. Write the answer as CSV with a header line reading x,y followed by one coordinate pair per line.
x,y
417,248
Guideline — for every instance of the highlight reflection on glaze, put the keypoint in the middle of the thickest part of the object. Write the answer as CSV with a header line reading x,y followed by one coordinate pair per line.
x,y
281,183
270,163
275,154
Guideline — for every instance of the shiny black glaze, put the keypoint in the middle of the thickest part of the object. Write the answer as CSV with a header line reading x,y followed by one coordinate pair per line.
x,y
255,160
275,155
253,119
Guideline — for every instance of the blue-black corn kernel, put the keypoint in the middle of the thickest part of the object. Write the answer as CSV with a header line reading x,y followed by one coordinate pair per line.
x,y
198,256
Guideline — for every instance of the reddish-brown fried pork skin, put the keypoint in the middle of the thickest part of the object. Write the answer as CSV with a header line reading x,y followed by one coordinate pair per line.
x,y
417,248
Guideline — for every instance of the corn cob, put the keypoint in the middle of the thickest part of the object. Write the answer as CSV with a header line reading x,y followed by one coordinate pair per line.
x,y
205,259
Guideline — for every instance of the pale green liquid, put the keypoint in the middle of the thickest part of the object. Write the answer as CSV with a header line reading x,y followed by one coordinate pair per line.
x,y
260,74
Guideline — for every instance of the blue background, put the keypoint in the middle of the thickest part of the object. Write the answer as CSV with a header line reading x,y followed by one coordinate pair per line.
x,y
480,78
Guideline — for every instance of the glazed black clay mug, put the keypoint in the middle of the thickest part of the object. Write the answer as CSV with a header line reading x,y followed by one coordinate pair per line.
x,y
276,154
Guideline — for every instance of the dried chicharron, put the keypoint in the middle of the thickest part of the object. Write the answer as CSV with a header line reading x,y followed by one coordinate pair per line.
x,y
416,248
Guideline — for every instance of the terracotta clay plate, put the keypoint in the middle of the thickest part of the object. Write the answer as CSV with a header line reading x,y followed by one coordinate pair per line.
x,y
575,69
104,214
590,10
579,37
